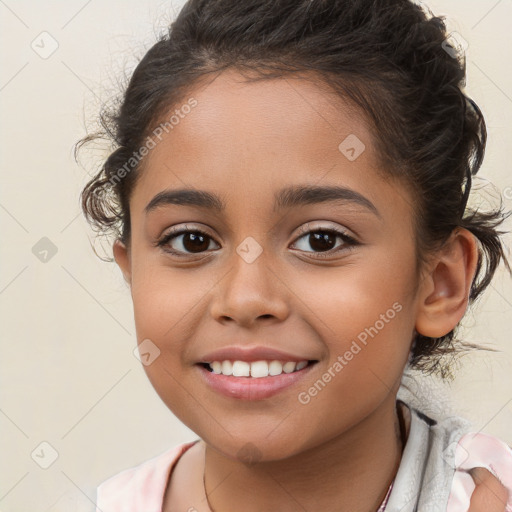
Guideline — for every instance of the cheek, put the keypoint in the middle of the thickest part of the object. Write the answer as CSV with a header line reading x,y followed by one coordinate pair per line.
x,y
344,301
163,303
163,300
368,336
364,313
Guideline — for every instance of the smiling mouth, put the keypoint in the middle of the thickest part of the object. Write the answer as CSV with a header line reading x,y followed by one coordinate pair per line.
x,y
256,369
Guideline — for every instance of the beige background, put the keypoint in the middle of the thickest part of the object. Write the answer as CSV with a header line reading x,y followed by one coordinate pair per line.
x,y
69,376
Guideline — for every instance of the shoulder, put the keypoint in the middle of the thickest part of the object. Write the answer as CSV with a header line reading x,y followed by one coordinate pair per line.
x,y
442,455
464,465
141,487
434,469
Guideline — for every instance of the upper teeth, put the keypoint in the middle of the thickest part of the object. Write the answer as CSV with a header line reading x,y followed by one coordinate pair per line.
x,y
255,369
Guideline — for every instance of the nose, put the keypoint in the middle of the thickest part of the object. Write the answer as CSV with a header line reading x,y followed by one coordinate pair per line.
x,y
250,292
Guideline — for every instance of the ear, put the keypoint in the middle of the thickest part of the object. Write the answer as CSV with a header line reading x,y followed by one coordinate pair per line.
x,y
122,257
444,290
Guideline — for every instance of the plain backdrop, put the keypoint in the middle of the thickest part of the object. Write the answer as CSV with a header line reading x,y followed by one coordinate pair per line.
x,y
69,378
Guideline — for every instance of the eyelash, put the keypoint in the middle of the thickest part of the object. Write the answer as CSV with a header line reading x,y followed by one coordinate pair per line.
x,y
349,242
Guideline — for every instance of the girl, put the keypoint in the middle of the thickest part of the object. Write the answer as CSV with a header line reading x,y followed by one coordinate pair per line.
x,y
288,195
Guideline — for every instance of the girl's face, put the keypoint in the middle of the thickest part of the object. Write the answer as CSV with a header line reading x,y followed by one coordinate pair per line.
x,y
269,271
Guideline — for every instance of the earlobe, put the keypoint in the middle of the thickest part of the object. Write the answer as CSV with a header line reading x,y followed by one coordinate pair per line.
x,y
122,257
444,292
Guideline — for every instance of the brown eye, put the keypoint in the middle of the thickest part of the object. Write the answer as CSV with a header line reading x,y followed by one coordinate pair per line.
x,y
324,240
195,242
185,242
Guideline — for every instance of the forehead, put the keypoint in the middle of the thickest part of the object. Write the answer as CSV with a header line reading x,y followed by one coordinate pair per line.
x,y
247,139
254,117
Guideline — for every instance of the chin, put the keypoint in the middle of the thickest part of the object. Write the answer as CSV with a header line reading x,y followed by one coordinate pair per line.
x,y
254,449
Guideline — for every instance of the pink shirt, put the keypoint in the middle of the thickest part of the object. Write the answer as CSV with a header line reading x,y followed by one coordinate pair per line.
x,y
141,488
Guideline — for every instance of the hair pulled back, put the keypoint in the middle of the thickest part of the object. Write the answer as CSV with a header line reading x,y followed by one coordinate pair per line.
x,y
389,58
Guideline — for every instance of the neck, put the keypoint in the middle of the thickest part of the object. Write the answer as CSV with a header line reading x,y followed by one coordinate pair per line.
x,y
355,470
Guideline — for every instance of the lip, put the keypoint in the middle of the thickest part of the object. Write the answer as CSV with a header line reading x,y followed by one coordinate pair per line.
x,y
247,388
250,354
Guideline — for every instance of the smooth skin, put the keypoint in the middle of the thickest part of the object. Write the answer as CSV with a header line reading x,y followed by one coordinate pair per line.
x,y
244,142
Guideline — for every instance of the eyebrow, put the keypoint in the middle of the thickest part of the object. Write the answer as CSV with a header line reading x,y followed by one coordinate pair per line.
x,y
289,197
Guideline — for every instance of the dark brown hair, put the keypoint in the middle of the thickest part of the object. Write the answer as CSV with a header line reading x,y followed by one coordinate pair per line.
x,y
389,58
